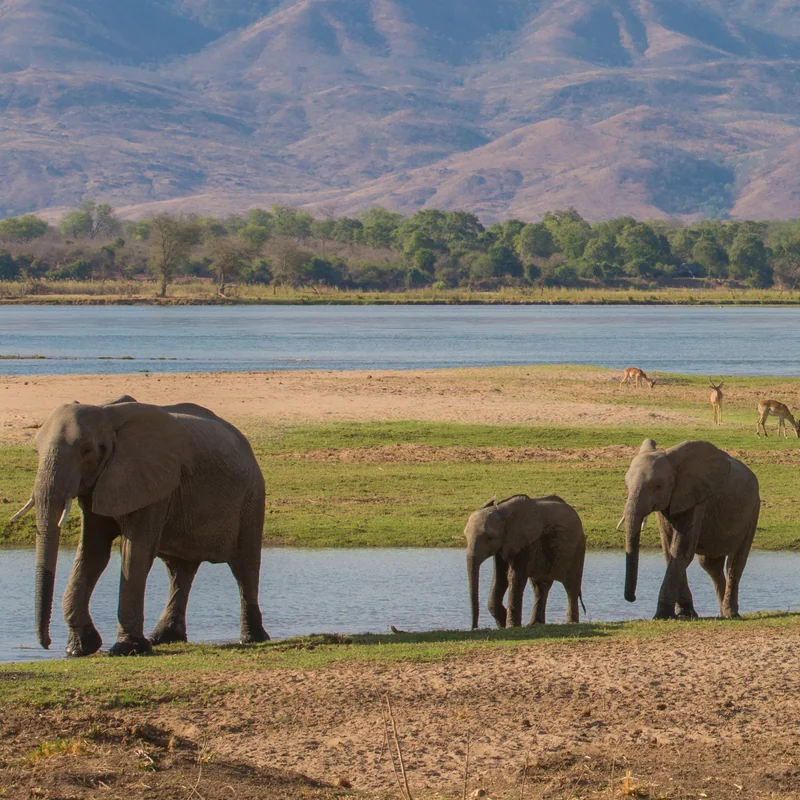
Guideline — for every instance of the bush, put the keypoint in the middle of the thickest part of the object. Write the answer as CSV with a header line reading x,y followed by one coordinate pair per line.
x,y
9,271
258,273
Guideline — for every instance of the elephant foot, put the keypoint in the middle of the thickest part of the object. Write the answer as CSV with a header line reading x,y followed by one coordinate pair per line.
x,y
686,612
665,611
168,634
728,614
252,637
85,643
131,647
252,628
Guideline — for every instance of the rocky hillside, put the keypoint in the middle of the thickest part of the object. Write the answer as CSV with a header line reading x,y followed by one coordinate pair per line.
x,y
652,108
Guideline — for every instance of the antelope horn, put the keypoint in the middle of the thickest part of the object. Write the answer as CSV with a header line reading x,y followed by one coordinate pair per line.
x,y
23,511
64,516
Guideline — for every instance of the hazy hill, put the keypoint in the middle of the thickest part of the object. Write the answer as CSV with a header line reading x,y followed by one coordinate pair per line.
x,y
508,107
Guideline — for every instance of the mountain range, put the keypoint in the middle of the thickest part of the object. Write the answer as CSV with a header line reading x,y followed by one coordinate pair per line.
x,y
654,108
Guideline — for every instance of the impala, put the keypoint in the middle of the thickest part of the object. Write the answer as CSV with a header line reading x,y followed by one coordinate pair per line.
x,y
716,401
772,408
636,375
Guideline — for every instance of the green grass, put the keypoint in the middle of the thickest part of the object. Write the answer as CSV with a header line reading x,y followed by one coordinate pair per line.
x,y
181,674
385,504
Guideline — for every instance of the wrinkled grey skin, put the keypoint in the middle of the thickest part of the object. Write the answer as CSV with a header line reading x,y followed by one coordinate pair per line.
x,y
537,539
176,482
707,503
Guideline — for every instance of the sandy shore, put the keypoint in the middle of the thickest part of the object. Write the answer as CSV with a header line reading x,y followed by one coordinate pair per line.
x,y
487,396
691,713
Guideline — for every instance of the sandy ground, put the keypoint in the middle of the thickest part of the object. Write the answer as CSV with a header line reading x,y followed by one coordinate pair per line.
x,y
693,713
498,396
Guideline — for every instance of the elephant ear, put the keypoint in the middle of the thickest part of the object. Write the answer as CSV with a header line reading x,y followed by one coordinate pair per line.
x,y
150,447
700,472
123,398
523,521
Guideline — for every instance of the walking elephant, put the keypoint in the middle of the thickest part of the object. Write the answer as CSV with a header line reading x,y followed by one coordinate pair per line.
x,y
537,539
707,503
174,481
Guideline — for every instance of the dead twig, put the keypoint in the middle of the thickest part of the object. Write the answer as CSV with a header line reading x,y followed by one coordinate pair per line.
x,y
398,764
466,767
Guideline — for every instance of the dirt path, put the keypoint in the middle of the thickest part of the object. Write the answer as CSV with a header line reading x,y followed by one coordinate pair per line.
x,y
488,396
695,712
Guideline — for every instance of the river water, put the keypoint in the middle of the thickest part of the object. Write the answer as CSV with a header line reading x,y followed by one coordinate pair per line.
x,y
357,591
122,339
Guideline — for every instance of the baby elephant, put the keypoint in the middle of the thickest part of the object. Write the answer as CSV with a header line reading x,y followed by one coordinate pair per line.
x,y
538,539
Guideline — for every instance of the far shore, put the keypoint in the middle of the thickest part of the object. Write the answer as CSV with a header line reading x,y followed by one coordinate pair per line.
x,y
126,293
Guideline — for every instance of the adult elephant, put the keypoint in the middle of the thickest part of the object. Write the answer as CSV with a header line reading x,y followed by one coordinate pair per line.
x,y
707,503
172,481
537,539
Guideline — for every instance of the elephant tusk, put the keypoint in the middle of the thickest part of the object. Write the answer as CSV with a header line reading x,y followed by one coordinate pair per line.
x,y
64,516
622,519
644,522
619,524
23,511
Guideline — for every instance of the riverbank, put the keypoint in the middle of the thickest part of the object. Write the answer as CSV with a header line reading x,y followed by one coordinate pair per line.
x,y
400,458
644,709
205,293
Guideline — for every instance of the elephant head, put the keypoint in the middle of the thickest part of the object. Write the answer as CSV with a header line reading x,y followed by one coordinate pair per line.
x,y
116,458
670,481
503,529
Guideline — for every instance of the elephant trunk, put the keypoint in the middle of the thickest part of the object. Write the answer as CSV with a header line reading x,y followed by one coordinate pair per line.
x,y
474,574
633,529
51,500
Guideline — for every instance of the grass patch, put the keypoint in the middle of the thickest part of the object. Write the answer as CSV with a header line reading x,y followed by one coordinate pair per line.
x,y
365,485
387,504
198,675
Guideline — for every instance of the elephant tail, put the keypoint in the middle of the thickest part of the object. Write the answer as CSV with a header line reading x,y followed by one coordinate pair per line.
x,y
580,597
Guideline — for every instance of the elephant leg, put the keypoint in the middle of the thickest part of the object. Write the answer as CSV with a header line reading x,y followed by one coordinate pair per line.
x,y
246,572
541,590
141,532
517,578
573,595
91,558
715,567
498,591
684,607
171,627
736,565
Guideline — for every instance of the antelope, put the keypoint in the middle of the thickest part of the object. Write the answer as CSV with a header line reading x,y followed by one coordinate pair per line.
x,y
716,401
772,408
636,375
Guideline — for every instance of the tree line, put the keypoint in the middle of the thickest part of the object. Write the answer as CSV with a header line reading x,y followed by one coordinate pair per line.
x,y
384,250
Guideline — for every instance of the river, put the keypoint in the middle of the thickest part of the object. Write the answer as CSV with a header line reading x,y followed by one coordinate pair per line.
x,y
357,591
123,339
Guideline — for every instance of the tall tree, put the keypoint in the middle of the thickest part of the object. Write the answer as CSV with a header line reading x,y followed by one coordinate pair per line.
x,y
230,256
171,239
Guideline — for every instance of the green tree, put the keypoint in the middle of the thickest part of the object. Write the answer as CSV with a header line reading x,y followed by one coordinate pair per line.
x,y
90,220
378,227
289,222
230,256
171,240
570,232
461,230
640,244
424,260
9,270
712,256
504,261
254,235
748,260
288,259
22,229
349,230
535,241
